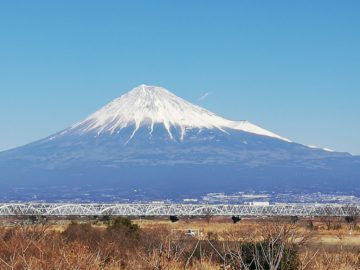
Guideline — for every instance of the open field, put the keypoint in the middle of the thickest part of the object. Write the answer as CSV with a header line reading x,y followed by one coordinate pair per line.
x,y
325,232
213,243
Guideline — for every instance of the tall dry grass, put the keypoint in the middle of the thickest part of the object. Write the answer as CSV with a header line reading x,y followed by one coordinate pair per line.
x,y
121,244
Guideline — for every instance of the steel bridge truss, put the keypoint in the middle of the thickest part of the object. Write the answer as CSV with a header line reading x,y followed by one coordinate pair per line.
x,y
157,210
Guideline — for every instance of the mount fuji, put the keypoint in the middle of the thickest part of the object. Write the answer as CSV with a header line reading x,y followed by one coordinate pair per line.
x,y
149,143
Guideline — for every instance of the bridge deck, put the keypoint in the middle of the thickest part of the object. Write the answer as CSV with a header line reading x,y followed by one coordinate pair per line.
x,y
152,210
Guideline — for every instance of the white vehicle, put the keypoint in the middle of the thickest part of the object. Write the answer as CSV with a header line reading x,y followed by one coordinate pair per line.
x,y
191,233
259,203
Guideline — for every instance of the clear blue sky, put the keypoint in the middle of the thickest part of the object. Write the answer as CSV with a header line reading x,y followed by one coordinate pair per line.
x,y
292,67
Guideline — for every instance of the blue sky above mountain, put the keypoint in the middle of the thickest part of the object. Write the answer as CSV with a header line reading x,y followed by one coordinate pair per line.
x,y
291,68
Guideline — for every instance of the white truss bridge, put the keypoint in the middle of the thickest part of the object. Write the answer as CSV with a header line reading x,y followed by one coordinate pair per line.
x,y
158,210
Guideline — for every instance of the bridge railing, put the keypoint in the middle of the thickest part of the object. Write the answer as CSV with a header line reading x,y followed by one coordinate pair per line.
x,y
152,210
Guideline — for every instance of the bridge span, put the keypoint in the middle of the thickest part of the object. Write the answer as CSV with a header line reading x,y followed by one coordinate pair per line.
x,y
158,210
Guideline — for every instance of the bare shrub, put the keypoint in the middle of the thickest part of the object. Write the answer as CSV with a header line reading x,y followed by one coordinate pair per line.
x,y
275,245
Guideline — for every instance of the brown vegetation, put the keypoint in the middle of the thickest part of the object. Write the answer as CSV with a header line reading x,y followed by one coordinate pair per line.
x,y
218,244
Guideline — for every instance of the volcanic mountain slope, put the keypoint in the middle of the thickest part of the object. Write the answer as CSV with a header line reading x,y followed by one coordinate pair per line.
x,y
152,140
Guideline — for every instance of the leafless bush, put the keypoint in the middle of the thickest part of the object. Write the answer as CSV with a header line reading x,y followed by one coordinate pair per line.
x,y
279,245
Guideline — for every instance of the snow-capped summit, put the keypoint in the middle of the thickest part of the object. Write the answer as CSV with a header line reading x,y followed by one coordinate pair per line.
x,y
150,105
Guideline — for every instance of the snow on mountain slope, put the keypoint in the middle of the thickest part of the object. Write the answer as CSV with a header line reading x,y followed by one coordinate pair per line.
x,y
151,105
316,147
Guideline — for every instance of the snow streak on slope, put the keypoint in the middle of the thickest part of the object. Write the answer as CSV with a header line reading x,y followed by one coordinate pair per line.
x,y
150,105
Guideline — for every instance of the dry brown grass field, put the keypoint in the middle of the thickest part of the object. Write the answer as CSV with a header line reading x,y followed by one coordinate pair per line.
x,y
214,243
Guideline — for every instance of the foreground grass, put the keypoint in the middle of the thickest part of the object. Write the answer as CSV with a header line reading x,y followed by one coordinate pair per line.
x,y
159,244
